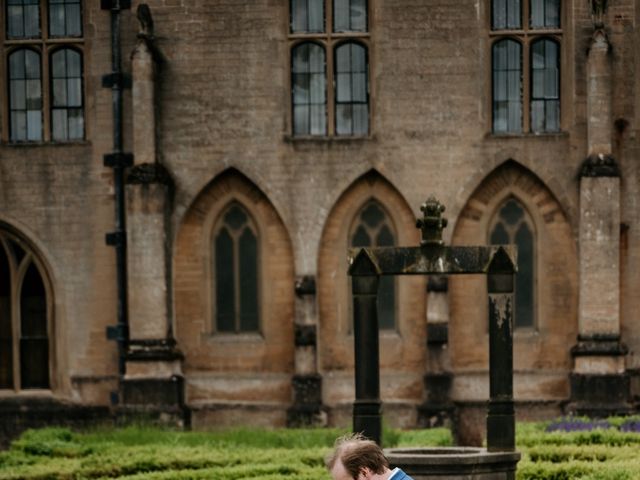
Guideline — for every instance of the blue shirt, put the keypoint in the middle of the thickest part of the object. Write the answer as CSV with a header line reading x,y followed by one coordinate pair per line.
x,y
398,474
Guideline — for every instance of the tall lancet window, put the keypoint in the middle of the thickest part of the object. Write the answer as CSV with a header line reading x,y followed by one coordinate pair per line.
x,y
526,54
235,255
25,323
43,48
513,225
373,228
329,43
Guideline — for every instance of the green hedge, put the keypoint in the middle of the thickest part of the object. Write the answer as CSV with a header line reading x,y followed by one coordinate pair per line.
x,y
151,453
598,454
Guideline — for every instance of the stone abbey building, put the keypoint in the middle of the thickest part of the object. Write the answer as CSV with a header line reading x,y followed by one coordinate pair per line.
x,y
180,182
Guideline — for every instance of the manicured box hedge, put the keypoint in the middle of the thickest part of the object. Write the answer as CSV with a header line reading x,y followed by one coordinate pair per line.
x,y
566,449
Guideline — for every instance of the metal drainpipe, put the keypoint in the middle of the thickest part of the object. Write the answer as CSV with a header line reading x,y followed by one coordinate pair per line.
x,y
118,160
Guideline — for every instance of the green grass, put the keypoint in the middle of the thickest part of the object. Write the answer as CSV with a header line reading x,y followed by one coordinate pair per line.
x,y
150,453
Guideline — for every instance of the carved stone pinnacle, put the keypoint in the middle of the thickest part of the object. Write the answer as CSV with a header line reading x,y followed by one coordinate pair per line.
x,y
432,222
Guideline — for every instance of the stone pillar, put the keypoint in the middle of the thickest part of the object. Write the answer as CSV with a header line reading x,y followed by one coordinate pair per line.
x,y
153,382
437,408
306,409
367,408
144,61
153,374
599,384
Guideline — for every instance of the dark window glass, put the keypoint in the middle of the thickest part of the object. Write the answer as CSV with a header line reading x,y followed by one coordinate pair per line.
x,y
387,286
350,15
67,119
25,93
524,278
65,18
512,213
360,238
308,67
307,16
18,252
499,235
507,86
352,95
236,273
513,226
235,218
225,283
545,14
545,86
373,223
6,330
248,281
372,215
34,341
23,19
506,14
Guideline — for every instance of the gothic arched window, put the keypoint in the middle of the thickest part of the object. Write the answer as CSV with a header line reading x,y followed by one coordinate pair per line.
x,y
351,86
507,86
545,86
526,40
24,319
512,224
373,228
235,266
308,78
44,48
67,118
25,95
330,45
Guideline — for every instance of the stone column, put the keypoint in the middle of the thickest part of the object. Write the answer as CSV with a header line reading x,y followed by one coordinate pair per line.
x,y
599,385
153,381
307,407
153,373
144,61
437,408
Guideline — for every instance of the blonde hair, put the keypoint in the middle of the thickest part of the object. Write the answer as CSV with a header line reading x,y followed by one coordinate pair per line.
x,y
356,452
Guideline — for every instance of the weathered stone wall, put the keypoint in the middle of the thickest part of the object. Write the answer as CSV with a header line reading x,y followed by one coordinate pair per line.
x,y
251,368
541,354
223,102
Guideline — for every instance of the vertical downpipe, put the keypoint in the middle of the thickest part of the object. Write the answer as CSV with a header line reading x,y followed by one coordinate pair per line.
x,y
118,160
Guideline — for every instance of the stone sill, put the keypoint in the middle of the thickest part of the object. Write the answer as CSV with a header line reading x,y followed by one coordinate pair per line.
x,y
526,136
75,143
327,140
235,338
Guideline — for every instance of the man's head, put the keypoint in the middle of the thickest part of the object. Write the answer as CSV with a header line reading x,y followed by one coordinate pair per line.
x,y
356,458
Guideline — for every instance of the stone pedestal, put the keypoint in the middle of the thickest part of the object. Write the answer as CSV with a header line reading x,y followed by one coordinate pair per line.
x,y
454,463
153,385
437,409
306,409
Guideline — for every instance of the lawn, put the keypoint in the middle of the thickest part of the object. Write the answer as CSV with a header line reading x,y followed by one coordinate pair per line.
x,y
562,450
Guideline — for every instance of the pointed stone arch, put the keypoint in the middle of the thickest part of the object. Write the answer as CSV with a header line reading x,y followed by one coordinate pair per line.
x,y
542,360
403,350
221,368
29,345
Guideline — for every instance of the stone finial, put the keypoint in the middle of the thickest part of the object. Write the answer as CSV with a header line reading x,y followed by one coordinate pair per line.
x,y
598,10
143,13
432,222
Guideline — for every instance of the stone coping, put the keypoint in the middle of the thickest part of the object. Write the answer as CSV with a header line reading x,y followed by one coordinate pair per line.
x,y
451,459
